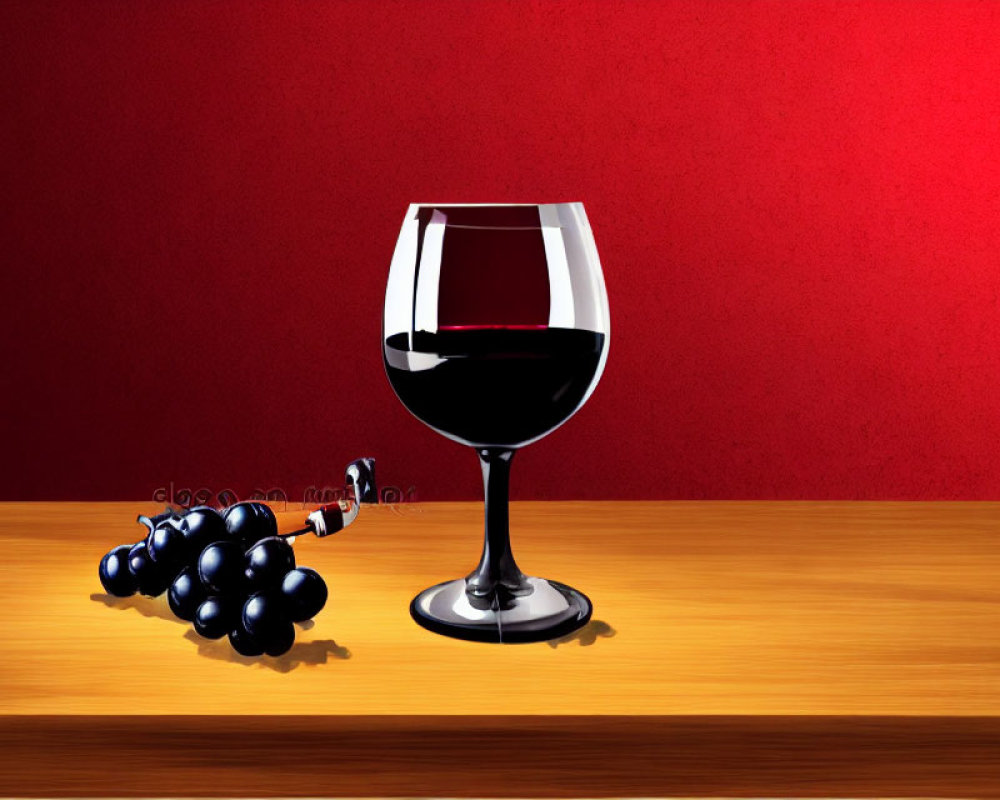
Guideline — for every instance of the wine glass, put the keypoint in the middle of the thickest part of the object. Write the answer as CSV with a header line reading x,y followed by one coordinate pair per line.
x,y
495,332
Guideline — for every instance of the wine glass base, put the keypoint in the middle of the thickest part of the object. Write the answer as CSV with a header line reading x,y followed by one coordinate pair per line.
x,y
551,610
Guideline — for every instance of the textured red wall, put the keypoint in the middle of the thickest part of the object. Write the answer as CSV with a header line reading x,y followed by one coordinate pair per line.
x,y
797,206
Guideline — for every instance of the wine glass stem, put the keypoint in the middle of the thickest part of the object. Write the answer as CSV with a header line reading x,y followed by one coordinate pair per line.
x,y
497,569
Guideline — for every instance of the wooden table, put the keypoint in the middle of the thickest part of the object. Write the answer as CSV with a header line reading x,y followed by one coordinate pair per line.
x,y
737,649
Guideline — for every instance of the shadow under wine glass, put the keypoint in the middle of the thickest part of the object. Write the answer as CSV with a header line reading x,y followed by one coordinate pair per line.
x,y
495,332
587,635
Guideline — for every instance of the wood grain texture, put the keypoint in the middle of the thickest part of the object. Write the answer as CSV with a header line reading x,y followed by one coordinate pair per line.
x,y
796,627
715,608
461,756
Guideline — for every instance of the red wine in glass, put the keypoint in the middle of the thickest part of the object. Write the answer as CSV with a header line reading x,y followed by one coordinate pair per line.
x,y
495,332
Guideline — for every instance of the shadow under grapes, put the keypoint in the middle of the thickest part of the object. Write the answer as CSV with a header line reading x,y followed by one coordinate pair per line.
x,y
586,635
310,654
302,653
147,606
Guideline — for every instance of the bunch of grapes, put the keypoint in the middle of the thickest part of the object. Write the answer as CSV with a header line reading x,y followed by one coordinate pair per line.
x,y
229,573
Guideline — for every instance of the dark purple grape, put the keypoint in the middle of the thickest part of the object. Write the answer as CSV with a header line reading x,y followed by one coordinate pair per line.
x,y
263,615
304,593
202,526
215,617
280,640
185,594
166,545
243,643
268,561
251,521
220,567
150,581
114,572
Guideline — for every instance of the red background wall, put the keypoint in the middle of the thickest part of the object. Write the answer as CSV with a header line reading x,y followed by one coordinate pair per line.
x,y
797,206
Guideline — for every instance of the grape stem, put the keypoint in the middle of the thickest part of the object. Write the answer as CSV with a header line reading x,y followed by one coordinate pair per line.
x,y
330,519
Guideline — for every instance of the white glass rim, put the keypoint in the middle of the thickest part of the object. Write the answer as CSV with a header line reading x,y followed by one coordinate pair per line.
x,y
494,205
574,207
